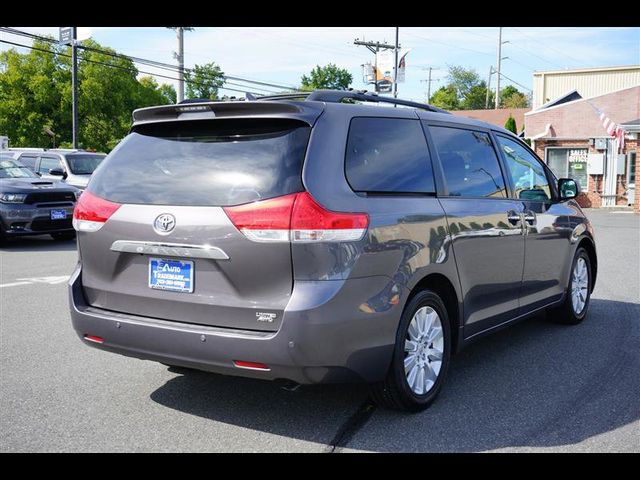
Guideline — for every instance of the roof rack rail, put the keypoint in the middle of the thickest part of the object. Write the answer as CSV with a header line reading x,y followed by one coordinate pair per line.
x,y
336,96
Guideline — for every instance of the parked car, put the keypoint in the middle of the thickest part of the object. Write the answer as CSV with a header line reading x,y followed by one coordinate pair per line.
x,y
30,205
72,166
318,241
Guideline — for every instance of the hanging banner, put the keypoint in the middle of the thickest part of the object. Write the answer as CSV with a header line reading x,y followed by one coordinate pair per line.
x,y
402,63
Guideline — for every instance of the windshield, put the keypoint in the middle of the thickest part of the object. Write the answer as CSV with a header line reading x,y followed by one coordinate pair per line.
x,y
13,169
205,163
84,164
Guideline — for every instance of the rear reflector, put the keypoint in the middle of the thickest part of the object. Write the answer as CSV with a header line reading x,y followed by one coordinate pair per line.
x,y
296,218
93,338
251,365
92,212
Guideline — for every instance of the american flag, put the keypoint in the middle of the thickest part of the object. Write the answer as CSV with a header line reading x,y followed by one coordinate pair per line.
x,y
611,127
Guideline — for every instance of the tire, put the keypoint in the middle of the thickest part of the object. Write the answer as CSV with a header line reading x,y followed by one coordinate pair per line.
x,y
394,391
63,235
566,313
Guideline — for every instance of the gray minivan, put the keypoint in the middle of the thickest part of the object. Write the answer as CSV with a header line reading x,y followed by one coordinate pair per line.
x,y
313,240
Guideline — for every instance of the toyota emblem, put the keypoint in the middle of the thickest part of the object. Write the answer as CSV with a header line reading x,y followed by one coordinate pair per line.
x,y
164,224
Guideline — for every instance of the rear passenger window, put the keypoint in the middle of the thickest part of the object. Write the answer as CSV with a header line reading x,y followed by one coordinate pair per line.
x,y
388,155
28,161
469,162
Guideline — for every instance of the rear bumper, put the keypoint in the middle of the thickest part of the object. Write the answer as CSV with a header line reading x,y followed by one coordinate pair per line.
x,y
325,336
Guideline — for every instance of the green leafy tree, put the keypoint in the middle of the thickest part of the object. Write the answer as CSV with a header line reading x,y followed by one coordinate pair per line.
x,y
446,97
510,124
203,81
35,92
511,97
330,77
463,80
168,93
476,97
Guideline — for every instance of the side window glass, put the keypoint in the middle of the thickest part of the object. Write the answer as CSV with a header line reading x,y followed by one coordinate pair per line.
x,y
469,162
28,161
48,163
388,155
527,173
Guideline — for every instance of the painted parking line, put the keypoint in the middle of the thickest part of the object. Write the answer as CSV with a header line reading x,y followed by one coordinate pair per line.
x,y
53,280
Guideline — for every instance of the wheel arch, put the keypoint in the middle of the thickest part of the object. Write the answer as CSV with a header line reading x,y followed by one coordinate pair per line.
x,y
588,244
445,289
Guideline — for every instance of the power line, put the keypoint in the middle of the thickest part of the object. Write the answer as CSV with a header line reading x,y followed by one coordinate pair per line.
x,y
132,70
448,44
151,63
579,62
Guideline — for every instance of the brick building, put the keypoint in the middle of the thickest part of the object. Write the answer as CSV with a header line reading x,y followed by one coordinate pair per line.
x,y
568,134
496,117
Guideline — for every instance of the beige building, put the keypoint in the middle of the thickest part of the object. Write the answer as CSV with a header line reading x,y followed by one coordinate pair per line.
x,y
589,82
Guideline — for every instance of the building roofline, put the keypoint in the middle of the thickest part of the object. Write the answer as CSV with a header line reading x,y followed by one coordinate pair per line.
x,y
583,70
540,109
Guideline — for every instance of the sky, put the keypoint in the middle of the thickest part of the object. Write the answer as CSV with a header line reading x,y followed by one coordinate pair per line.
x,y
281,55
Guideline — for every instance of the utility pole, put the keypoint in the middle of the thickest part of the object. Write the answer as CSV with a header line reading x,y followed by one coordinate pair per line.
x,y
395,62
74,87
429,81
486,102
499,61
180,57
375,47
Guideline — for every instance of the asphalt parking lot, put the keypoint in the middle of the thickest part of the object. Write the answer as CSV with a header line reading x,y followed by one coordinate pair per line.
x,y
534,387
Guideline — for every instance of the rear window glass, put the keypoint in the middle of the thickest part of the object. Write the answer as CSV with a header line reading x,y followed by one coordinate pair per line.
x,y
83,163
206,163
388,155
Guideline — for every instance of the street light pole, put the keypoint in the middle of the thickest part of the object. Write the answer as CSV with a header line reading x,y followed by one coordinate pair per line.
x,y
395,70
74,87
498,69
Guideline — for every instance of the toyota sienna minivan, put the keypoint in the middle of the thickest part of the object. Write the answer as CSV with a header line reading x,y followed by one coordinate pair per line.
x,y
310,240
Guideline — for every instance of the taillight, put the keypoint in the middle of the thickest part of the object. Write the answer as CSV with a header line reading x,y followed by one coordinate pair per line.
x,y
92,212
297,218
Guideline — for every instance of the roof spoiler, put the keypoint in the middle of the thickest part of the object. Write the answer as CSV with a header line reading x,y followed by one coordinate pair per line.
x,y
206,110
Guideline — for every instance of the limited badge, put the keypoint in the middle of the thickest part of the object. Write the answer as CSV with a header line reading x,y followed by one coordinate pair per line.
x,y
265,317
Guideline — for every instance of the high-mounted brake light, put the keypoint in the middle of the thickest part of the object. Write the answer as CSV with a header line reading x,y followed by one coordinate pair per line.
x,y
296,218
92,212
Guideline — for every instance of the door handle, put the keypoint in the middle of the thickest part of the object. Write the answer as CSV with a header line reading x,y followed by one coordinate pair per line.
x,y
530,217
514,218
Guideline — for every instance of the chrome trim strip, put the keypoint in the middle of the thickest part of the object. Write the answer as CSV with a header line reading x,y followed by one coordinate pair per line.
x,y
169,249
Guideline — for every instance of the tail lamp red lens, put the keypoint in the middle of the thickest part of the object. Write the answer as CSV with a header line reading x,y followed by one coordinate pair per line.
x,y
297,218
92,212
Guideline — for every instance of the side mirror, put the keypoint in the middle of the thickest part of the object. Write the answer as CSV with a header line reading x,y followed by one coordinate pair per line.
x,y
58,172
568,188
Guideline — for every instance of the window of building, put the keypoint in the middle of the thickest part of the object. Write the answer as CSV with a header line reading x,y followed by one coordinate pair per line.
x,y
631,167
469,162
569,163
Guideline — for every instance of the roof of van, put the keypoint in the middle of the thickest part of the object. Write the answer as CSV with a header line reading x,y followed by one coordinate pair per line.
x,y
304,106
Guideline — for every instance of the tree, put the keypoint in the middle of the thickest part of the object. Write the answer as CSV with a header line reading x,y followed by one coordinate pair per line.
x,y
204,81
476,97
35,92
446,97
511,97
463,80
510,124
330,77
